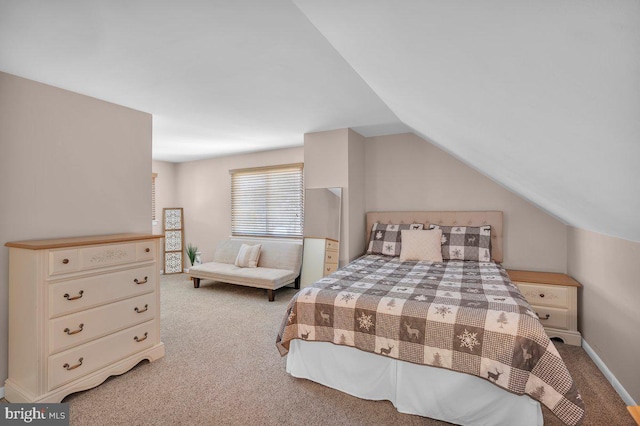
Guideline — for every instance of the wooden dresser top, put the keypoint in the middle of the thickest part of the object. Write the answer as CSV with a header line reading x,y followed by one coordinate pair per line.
x,y
79,241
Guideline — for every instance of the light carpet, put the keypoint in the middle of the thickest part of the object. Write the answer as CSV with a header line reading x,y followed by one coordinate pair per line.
x,y
222,368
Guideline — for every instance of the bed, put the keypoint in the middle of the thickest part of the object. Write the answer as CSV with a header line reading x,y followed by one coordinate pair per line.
x,y
453,340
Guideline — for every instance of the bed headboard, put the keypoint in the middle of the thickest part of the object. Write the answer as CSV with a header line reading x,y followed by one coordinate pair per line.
x,y
462,218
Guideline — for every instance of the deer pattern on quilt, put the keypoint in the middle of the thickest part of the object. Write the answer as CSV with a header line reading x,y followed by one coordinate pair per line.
x,y
463,315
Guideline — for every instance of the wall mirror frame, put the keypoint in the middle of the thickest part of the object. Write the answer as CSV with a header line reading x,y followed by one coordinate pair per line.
x,y
322,219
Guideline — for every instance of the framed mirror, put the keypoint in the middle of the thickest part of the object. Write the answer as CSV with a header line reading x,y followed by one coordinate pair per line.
x,y
322,210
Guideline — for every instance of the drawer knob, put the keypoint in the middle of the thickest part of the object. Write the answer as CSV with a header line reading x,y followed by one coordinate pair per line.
x,y
66,296
140,339
69,332
146,279
72,367
65,261
138,310
329,256
147,250
546,317
541,294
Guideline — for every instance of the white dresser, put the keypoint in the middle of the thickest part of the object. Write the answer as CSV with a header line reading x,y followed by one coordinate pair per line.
x,y
554,298
319,259
80,310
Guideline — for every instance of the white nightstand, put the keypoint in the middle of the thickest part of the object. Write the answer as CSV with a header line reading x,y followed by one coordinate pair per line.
x,y
554,297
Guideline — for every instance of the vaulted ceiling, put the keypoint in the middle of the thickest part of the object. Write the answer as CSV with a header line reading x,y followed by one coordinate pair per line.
x,y
541,96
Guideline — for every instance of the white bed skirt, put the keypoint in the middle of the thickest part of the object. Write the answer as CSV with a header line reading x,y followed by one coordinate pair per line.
x,y
413,389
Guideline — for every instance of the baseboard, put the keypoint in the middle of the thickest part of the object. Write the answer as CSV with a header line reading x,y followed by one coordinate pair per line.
x,y
608,374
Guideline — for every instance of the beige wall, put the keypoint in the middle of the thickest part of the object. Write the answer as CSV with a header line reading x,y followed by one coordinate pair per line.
x,y
356,194
166,196
336,158
326,164
609,270
204,191
405,172
70,165
166,191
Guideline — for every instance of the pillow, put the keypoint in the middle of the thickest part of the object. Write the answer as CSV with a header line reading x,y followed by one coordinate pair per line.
x,y
385,239
248,256
466,242
421,245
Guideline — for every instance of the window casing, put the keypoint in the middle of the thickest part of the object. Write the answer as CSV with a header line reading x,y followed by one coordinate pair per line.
x,y
268,201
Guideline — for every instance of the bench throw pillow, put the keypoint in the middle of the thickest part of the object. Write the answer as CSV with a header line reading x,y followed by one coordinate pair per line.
x,y
421,245
248,256
466,242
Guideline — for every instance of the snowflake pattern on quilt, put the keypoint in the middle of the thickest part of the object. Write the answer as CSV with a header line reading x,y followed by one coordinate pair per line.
x,y
463,315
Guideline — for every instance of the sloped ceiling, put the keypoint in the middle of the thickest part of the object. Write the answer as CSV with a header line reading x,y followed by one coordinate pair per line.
x,y
541,96
220,77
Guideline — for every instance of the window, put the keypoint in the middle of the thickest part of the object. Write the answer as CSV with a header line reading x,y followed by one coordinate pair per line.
x,y
268,201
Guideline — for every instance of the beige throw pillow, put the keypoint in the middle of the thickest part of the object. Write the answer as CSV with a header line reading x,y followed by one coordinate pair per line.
x,y
248,256
421,245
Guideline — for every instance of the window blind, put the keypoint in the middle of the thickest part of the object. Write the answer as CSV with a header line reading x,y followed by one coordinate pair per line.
x,y
153,195
268,202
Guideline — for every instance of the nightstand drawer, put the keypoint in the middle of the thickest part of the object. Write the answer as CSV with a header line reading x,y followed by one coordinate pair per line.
x,y
331,256
552,317
545,295
330,268
332,245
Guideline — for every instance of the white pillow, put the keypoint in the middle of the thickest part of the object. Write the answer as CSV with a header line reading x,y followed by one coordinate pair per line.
x,y
248,256
421,245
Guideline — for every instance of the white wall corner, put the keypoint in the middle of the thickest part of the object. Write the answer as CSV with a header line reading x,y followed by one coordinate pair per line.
x,y
608,374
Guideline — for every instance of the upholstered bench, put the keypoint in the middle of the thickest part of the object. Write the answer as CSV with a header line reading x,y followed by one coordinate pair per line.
x,y
278,265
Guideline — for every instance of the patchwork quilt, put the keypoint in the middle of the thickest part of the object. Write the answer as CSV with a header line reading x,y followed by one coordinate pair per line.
x,y
465,316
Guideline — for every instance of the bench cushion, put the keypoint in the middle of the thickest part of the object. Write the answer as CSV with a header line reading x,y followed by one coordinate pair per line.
x,y
274,254
260,277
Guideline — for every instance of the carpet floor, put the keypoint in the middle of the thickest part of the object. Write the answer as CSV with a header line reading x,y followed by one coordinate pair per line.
x,y
222,368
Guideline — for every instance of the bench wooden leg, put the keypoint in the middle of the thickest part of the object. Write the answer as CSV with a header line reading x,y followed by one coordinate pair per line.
x,y
196,282
271,295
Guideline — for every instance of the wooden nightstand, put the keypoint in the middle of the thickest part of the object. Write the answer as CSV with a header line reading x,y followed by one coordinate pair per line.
x,y
554,297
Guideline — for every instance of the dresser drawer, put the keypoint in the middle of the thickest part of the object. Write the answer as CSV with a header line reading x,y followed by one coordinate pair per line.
x,y
331,256
79,294
63,261
75,329
146,250
77,362
87,258
545,295
107,255
552,317
331,244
